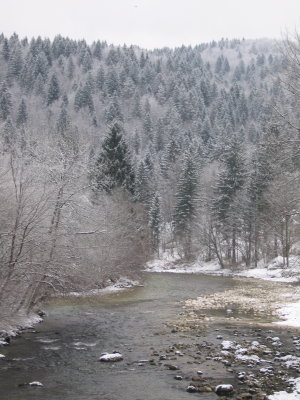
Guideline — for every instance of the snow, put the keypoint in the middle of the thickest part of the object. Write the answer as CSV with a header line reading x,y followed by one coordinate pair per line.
x,y
291,314
19,322
84,344
121,284
253,358
295,395
35,383
106,357
47,341
2,356
228,345
275,270
291,361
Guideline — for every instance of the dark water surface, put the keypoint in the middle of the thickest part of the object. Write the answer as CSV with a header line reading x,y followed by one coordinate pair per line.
x,y
63,353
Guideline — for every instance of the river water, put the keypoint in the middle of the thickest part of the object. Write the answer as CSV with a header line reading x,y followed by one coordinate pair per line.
x,y
63,352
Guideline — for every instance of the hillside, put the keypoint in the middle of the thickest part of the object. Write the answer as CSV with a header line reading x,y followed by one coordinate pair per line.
x,y
110,155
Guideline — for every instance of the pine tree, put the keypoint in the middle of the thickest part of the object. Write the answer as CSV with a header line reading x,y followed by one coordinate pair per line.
x,y
231,178
5,102
185,208
113,112
113,167
229,184
9,135
63,122
97,51
22,114
53,90
155,222
5,50
142,184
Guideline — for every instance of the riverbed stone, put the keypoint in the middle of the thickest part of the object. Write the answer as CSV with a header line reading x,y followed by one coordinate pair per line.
x,y
191,389
172,367
111,357
224,389
244,396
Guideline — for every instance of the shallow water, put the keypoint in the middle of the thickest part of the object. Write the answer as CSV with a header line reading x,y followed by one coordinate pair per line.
x,y
63,353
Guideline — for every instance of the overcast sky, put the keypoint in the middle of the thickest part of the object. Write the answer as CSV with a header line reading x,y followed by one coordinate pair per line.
x,y
150,23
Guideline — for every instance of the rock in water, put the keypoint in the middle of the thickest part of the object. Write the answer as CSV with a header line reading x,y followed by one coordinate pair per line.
x,y
224,390
191,389
111,357
178,377
35,383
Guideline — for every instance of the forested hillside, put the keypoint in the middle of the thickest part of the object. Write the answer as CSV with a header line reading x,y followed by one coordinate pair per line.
x,y
111,155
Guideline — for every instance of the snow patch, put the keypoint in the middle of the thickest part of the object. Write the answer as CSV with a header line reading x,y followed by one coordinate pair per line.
x,y
107,357
291,314
121,284
295,395
228,345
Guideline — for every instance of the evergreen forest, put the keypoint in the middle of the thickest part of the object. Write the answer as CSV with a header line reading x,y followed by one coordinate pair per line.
x,y
114,155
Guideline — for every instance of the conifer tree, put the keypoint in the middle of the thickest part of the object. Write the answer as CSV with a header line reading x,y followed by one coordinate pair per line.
x,y
155,222
5,102
53,90
5,49
22,114
113,166
185,208
230,181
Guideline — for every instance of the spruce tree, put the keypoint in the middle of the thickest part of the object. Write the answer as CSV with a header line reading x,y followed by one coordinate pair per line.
x,y
185,208
5,102
155,222
53,90
22,114
113,167
230,182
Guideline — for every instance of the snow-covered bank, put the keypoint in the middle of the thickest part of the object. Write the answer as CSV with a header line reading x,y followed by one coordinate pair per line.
x,y
16,324
287,303
295,395
274,271
121,284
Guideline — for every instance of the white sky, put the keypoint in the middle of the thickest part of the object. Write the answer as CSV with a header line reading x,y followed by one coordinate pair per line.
x,y
150,23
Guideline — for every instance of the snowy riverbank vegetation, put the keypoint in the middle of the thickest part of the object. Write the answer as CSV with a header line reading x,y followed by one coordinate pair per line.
x,y
112,155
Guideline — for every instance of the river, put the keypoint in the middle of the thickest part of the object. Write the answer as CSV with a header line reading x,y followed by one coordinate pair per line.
x,y
63,351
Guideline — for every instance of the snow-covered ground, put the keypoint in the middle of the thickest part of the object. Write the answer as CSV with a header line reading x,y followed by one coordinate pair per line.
x,y
295,395
274,271
288,311
15,324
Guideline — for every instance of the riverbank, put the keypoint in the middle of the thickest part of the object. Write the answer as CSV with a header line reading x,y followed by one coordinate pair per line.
x,y
285,301
13,326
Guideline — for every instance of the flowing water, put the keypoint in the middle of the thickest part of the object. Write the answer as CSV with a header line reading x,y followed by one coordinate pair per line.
x,y
63,353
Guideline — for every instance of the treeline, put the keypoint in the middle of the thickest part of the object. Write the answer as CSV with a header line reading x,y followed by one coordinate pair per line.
x,y
110,154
